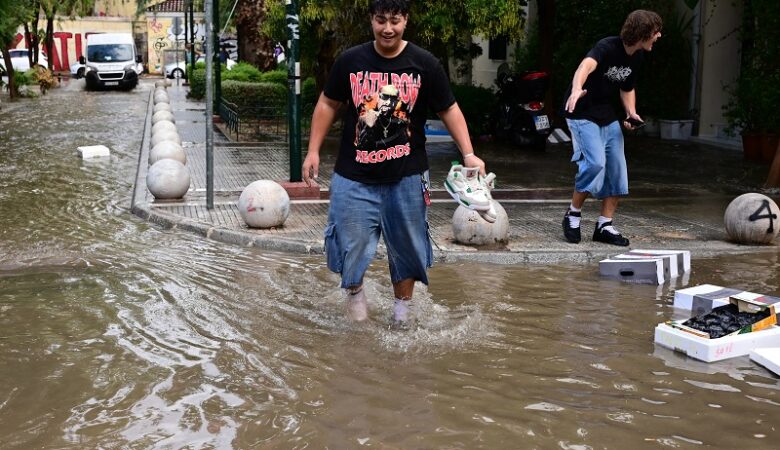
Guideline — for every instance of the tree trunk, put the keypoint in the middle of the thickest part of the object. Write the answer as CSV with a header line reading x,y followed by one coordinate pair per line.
x,y
50,38
253,47
34,40
773,180
13,92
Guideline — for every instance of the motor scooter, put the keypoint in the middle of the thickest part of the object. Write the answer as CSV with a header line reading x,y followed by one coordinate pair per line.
x,y
520,116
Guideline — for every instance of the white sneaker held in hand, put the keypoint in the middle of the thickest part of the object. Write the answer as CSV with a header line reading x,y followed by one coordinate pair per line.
x,y
464,185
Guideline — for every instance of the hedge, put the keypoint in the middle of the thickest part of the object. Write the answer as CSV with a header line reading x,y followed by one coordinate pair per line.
x,y
246,95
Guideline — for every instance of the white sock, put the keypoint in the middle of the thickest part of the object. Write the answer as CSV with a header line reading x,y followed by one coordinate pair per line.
x,y
611,229
401,310
574,221
571,207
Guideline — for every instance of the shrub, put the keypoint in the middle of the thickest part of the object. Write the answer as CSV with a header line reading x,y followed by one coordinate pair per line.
x,y
44,77
249,96
243,72
309,94
198,83
275,76
476,104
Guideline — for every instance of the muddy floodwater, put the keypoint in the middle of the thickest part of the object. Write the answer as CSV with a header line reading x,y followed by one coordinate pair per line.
x,y
117,334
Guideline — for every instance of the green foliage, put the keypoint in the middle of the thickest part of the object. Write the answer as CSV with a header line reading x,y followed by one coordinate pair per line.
x,y
527,51
756,93
309,92
198,83
25,78
44,77
249,96
243,72
275,76
476,104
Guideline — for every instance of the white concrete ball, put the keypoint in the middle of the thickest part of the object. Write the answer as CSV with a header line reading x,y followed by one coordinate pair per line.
x,y
166,136
161,98
264,204
469,228
167,179
162,115
162,107
167,150
162,83
163,125
752,219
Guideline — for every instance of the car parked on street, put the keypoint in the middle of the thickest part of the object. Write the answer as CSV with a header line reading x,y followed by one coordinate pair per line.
x,y
20,60
77,70
177,69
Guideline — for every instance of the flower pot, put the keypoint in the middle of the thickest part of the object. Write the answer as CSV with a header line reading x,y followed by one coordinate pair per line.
x,y
675,129
768,147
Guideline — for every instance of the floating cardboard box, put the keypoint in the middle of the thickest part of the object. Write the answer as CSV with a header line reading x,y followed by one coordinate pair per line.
x,y
710,350
743,304
669,262
704,298
683,257
93,151
643,270
767,357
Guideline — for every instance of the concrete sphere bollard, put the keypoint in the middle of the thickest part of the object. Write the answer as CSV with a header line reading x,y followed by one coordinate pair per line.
x,y
162,107
163,115
162,83
752,219
470,228
168,178
264,204
167,150
166,136
161,97
163,125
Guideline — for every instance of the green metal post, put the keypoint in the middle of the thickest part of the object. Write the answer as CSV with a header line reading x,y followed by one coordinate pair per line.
x,y
192,32
217,51
294,84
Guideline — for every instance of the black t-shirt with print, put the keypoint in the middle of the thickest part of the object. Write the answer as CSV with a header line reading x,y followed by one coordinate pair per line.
x,y
615,70
387,104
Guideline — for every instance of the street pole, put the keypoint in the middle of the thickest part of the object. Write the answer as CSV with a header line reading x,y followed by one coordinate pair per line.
x,y
209,107
294,88
218,72
192,32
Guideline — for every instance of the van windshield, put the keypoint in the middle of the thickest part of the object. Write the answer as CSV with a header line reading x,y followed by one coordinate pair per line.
x,y
109,53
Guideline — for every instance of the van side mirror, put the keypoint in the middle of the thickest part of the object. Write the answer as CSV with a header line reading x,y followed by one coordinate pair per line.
x,y
82,60
138,59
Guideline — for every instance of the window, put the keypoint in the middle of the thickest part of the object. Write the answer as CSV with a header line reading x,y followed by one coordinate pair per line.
x,y
497,48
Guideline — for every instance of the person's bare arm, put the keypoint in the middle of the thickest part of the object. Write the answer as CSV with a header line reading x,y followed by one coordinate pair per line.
x,y
325,113
456,124
586,67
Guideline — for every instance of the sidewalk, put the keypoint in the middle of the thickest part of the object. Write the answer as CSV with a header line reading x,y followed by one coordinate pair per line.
x,y
679,193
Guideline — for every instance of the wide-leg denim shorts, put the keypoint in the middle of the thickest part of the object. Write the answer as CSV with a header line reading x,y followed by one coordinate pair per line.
x,y
360,212
598,152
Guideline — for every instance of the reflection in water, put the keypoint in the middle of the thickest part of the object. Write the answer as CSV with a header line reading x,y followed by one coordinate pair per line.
x,y
116,334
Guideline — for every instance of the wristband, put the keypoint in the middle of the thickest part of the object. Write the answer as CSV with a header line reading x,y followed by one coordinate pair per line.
x,y
468,154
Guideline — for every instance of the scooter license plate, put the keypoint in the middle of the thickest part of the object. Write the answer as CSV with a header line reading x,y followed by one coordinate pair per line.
x,y
541,122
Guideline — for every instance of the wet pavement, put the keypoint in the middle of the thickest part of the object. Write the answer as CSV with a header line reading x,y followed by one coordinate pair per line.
x,y
679,193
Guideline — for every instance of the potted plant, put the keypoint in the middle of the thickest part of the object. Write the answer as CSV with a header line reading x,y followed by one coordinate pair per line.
x,y
752,109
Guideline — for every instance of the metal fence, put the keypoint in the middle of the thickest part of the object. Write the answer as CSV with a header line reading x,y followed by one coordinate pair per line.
x,y
260,123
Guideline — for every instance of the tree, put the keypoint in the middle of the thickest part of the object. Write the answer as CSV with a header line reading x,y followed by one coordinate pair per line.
x,y
254,47
12,14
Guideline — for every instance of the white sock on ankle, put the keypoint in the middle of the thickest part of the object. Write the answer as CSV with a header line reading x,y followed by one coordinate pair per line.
x,y
610,229
571,207
401,310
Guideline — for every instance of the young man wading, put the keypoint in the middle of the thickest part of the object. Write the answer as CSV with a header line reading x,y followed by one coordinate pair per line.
x,y
380,181
609,67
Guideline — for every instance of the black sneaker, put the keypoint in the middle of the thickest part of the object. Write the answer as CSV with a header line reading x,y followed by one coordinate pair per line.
x,y
602,235
569,232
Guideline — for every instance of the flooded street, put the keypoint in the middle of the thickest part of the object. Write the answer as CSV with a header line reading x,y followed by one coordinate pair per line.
x,y
118,334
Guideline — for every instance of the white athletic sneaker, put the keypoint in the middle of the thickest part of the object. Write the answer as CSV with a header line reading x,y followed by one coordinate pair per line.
x,y
464,185
357,306
489,183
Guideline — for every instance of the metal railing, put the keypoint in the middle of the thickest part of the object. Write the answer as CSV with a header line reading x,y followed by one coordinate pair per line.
x,y
260,123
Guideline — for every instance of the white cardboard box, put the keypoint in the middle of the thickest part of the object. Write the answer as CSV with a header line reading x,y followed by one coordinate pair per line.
x,y
703,298
670,262
647,271
767,357
93,151
710,350
683,257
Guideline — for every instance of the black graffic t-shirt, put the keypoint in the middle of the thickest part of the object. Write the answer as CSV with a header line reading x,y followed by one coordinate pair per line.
x,y
387,103
615,70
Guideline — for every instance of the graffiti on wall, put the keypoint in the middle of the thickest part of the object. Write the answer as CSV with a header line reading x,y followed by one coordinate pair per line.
x,y
65,45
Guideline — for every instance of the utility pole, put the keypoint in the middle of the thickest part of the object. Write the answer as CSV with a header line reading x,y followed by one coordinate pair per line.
x,y
294,88
209,106
192,32
218,52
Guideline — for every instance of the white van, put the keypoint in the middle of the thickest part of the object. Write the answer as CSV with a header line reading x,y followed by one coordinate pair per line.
x,y
111,61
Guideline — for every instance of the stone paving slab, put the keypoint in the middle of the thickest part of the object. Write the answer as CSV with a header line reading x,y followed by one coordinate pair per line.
x,y
676,218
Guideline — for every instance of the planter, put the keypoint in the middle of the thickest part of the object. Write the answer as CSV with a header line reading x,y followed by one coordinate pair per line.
x,y
675,129
768,147
759,147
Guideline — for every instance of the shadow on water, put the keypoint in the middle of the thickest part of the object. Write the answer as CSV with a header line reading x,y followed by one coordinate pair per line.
x,y
116,334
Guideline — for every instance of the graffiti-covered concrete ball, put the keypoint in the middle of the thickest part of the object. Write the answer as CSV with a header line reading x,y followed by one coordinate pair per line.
x,y
167,179
264,204
167,150
166,136
469,228
752,219
163,125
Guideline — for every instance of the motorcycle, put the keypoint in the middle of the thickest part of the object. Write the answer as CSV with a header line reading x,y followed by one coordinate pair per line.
x,y
520,116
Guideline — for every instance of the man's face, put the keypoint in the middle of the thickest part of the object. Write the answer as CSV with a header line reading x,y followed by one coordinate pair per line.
x,y
647,44
388,32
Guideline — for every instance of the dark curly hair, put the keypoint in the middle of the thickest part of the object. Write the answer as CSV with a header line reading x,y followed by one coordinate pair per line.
x,y
389,6
640,25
